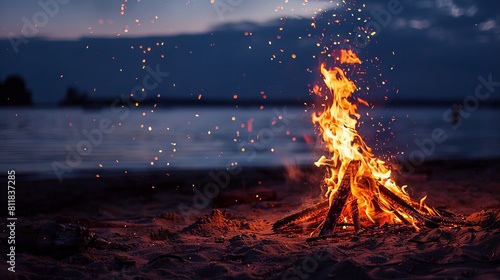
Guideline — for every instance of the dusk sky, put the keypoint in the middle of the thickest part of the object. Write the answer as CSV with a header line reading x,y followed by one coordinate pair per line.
x,y
147,17
446,44
75,19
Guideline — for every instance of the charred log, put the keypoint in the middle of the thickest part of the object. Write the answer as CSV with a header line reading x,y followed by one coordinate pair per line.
x,y
339,199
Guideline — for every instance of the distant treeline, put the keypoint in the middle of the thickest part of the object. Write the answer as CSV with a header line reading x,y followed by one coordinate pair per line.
x,y
13,92
167,103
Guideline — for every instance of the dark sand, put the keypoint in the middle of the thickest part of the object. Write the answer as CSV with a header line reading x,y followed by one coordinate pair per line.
x,y
119,227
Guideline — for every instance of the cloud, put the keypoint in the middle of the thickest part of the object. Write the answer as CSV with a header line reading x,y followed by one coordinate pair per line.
x,y
487,25
400,23
472,11
419,24
451,21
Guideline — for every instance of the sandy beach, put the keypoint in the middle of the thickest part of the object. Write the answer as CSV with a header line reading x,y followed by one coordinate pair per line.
x,y
151,226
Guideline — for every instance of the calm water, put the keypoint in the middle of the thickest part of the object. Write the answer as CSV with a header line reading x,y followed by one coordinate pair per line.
x,y
37,140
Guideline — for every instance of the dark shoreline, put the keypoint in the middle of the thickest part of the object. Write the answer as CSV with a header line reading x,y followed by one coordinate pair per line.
x,y
174,103
182,172
40,194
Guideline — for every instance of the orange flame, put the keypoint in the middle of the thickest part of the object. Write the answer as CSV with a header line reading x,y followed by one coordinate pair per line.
x,y
349,57
337,125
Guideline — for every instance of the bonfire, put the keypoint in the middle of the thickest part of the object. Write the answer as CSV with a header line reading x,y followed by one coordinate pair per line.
x,y
359,188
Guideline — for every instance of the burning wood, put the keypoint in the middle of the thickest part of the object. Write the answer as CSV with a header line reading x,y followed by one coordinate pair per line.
x,y
354,176
339,200
311,215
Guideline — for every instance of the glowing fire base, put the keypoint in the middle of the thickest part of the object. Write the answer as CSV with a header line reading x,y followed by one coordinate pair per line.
x,y
322,218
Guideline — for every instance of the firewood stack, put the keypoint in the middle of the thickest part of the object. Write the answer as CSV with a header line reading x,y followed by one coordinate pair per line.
x,y
322,218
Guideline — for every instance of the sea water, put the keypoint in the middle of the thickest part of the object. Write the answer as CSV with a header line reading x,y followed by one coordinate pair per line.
x,y
45,140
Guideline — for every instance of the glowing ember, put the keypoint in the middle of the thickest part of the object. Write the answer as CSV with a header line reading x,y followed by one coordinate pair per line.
x,y
337,125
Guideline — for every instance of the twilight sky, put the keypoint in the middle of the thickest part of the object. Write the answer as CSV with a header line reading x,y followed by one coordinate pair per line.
x,y
77,18
438,48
